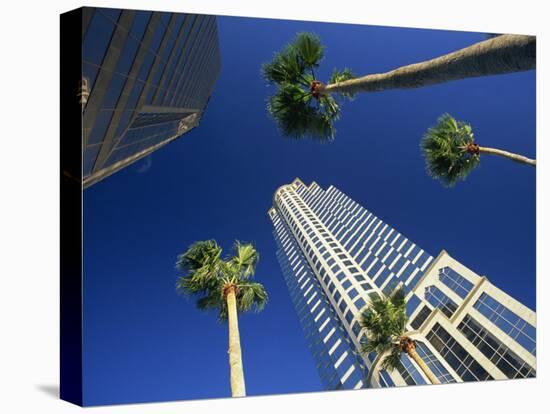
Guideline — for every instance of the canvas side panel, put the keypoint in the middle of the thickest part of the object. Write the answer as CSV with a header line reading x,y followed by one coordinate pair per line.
x,y
71,206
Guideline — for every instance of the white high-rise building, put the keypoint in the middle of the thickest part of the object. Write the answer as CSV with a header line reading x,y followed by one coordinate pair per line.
x,y
336,255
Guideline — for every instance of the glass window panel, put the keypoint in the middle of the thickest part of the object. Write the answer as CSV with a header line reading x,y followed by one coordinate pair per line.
x,y
97,38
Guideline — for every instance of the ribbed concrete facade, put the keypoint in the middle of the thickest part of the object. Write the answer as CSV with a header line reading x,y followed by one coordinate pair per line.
x,y
147,78
336,255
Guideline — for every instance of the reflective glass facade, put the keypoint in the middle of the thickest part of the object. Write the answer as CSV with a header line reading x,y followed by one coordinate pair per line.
x,y
504,358
146,80
336,256
506,320
456,356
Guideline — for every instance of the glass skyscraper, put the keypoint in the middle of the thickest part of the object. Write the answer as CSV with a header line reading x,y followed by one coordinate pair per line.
x,y
335,256
146,80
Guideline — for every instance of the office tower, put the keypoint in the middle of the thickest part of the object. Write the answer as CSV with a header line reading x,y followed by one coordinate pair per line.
x,y
336,255
146,80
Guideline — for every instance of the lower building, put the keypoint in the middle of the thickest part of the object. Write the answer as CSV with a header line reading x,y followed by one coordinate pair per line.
x,y
336,256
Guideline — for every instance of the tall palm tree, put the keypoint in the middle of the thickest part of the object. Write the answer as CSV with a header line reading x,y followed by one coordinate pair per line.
x,y
385,320
226,286
303,106
451,152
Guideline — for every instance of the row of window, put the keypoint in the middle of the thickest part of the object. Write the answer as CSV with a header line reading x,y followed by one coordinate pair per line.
x,y
336,361
499,354
454,281
456,356
394,259
440,300
509,322
345,282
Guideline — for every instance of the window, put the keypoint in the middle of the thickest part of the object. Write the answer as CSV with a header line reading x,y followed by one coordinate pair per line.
x,y
408,371
434,364
366,286
383,276
456,356
420,317
388,289
360,303
340,276
439,300
412,303
455,281
510,323
506,360
374,269
356,328
342,306
385,379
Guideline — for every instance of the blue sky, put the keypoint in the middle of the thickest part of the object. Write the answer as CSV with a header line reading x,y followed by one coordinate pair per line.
x,y
143,342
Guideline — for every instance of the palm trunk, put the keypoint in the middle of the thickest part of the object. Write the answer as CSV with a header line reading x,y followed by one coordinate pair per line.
x,y
509,155
420,362
502,54
235,357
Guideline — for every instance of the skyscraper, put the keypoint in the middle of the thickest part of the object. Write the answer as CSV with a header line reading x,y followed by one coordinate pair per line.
x,y
146,80
336,255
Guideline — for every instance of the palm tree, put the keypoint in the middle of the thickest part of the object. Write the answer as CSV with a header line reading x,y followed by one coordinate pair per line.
x,y
303,106
385,320
451,152
226,286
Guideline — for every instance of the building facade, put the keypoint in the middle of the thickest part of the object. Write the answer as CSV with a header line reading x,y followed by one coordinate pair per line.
x,y
146,80
336,255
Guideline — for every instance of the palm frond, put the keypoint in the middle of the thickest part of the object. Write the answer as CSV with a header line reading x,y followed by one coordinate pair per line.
x,y
222,312
199,254
399,312
385,321
392,360
201,262
309,48
251,296
331,108
208,275
199,282
290,108
398,297
285,67
297,118
378,344
298,107
246,258
445,150
289,65
342,76
213,300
